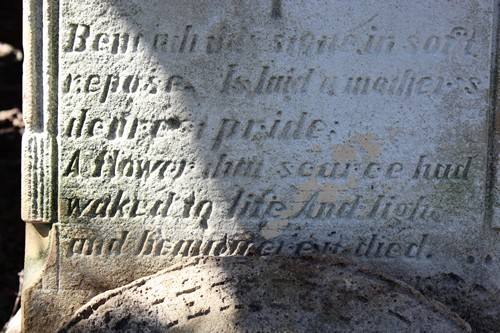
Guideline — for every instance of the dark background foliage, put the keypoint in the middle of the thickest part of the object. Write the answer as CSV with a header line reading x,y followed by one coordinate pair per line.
x,y
11,127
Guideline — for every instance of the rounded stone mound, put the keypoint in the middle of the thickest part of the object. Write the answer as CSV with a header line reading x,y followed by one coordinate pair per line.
x,y
264,294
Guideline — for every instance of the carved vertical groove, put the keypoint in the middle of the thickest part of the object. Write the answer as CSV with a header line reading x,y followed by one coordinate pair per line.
x,y
32,76
39,171
38,198
493,179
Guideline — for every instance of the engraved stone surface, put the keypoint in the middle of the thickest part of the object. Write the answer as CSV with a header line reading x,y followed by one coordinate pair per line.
x,y
256,295
163,130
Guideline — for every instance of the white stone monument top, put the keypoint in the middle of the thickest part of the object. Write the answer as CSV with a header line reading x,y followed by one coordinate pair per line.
x,y
161,130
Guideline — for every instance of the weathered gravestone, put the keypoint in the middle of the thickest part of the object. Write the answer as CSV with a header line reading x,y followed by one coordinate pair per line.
x,y
158,131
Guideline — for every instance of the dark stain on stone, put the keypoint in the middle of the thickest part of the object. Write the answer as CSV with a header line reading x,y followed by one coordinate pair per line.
x,y
276,9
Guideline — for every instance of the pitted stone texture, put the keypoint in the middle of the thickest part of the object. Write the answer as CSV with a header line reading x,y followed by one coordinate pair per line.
x,y
274,294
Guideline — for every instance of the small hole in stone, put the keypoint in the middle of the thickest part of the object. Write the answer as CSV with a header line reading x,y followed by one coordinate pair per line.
x,y
470,259
174,123
488,259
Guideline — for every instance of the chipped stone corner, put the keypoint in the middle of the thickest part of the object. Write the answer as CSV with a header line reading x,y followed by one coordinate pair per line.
x,y
41,279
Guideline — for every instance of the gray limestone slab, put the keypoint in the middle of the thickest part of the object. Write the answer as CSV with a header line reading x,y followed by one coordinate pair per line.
x,y
161,130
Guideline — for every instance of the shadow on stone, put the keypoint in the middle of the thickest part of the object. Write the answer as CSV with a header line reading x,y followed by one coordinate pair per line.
x,y
267,294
